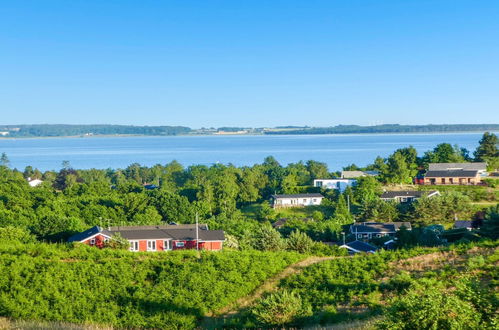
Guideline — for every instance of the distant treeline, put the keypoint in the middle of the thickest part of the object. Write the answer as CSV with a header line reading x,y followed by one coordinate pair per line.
x,y
71,130
395,128
47,130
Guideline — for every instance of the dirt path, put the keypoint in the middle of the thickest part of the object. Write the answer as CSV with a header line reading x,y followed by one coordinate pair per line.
x,y
269,285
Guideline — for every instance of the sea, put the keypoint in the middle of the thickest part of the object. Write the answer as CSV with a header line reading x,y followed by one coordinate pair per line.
x,y
336,151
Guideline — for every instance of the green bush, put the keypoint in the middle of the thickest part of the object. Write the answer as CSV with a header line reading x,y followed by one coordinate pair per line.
x,y
280,308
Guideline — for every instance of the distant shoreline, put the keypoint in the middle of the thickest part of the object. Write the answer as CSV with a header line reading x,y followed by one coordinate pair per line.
x,y
38,131
233,135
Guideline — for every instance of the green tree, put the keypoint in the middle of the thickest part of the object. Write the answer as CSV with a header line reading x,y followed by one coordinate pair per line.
x,y
341,212
367,189
399,170
4,160
490,227
487,147
445,153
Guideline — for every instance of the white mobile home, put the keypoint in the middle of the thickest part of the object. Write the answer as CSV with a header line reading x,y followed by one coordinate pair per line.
x,y
296,200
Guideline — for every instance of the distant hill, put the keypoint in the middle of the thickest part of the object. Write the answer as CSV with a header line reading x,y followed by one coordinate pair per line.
x,y
46,130
394,128
55,130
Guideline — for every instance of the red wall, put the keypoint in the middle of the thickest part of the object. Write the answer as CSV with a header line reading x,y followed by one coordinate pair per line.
x,y
210,246
99,241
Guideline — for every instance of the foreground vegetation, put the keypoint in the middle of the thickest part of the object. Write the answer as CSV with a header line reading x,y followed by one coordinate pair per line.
x,y
164,290
423,287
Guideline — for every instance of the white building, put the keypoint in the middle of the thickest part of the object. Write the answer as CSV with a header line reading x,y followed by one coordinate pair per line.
x,y
296,200
34,182
339,184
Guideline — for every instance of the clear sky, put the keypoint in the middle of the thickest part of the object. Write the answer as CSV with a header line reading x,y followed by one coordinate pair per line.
x,y
249,63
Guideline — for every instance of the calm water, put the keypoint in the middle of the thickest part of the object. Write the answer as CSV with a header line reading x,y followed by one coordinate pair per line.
x,y
118,152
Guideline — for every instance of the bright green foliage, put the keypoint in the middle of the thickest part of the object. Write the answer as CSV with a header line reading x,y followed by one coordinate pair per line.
x,y
280,308
445,153
126,289
401,168
442,209
341,213
430,307
15,234
299,242
266,238
367,189
379,210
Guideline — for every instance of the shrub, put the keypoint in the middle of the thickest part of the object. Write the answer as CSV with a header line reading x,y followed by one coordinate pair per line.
x,y
299,242
280,308
428,308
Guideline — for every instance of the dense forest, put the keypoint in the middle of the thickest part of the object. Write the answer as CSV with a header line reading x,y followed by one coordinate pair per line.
x,y
46,130
44,278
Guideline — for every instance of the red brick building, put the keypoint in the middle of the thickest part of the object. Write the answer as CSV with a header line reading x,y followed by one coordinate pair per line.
x,y
155,238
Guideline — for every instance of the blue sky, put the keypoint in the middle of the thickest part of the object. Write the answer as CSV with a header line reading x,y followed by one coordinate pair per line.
x,y
249,63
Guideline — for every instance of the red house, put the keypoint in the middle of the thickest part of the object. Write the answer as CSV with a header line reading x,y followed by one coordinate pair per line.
x,y
156,238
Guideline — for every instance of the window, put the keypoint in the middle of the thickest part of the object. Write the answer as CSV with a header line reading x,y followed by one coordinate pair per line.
x,y
92,241
304,200
106,240
378,235
315,200
359,236
151,245
166,245
134,246
179,244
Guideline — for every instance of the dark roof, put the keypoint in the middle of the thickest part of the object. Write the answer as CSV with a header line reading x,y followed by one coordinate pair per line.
x,y
361,246
463,224
299,196
457,166
378,227
451,174
202,226
87,233
174,232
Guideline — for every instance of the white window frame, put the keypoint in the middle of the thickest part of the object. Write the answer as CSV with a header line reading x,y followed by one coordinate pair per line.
x,y
92,241
180,244
134,246
166,245
151,245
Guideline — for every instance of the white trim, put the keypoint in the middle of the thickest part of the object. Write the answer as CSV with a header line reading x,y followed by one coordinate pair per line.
x,y
89,237
151,248
134,242
92,241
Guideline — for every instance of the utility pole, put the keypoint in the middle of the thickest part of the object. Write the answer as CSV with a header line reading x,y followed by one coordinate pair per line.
x,y
348,203
343,233
197,232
